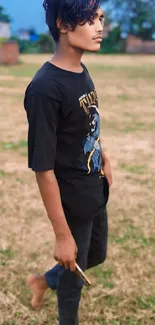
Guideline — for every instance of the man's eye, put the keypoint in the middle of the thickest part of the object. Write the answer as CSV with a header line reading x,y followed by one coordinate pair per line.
x,y
102,20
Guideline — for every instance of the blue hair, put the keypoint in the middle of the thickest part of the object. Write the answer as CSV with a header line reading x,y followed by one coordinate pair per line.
x,y
70,12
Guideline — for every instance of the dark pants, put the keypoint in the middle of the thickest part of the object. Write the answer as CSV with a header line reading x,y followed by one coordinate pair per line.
x,y
91,240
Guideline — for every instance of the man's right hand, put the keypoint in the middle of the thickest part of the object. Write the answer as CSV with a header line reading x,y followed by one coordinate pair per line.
x,y
66,251
65,246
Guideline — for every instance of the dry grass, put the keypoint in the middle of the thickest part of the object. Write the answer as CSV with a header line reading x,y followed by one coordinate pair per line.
x,y
123,290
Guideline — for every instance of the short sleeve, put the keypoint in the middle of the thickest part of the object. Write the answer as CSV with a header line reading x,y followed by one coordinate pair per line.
x,y
43,115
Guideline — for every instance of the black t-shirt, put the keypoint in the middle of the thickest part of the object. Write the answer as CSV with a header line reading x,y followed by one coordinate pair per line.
x,y
64,135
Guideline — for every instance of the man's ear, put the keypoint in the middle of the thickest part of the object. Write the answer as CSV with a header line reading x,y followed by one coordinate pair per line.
x,y
61,27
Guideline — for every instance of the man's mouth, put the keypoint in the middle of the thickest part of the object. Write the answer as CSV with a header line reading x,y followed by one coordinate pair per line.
x,y
99,37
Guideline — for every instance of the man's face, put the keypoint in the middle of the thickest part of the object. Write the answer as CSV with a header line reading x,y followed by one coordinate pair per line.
x,y
89,36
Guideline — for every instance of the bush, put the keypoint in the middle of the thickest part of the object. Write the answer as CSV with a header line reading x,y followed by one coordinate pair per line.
x,y
113,43
45,44
3,40
28,47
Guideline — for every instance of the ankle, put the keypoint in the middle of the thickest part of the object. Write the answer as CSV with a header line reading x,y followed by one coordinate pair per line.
x,y
43,282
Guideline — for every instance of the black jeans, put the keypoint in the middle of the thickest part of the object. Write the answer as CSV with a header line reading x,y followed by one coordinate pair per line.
x,y
91,240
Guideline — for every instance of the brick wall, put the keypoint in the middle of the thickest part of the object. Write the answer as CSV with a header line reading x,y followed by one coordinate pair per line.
x,y
136,45
9,53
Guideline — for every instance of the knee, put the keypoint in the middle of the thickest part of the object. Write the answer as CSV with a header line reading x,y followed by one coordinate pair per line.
x,y
68,280
97,259
101,259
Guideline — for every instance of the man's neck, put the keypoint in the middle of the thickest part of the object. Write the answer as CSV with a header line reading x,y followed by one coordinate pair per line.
x,y
67,59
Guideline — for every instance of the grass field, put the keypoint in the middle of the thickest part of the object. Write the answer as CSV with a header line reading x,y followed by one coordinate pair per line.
x,y
123,289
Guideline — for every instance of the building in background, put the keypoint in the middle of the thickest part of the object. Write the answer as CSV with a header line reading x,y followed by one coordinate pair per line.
x,y
137,45
9,50
23,34
9,53
107,29
27,35
5,30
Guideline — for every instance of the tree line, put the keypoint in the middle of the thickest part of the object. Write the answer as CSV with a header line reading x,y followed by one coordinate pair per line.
x,y
135,17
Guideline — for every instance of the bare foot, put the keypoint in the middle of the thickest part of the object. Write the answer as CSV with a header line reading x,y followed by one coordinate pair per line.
x,y
38,286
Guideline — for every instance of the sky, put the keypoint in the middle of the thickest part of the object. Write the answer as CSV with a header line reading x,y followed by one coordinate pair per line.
x,y
25,14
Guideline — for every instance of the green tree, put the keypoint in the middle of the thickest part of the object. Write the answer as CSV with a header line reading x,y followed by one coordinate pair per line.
x,y
3,16
136,17
46,43
113,43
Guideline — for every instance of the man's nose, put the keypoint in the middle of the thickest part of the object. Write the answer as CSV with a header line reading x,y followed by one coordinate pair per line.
x,y
100,26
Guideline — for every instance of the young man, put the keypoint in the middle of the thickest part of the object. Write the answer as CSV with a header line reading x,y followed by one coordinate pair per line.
x,y
64,151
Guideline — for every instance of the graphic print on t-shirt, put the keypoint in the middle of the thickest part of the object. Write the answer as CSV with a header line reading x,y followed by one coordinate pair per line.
x,y
91,157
